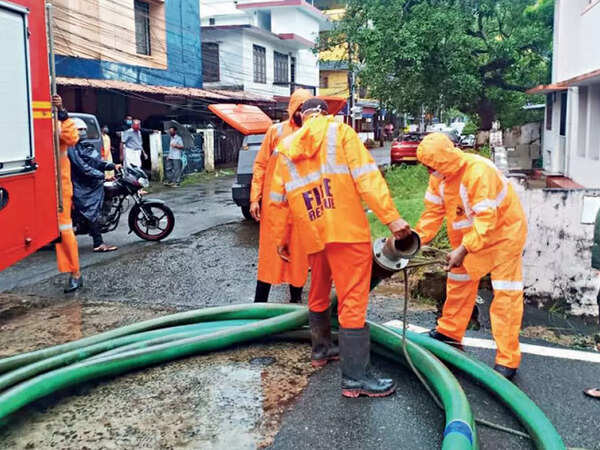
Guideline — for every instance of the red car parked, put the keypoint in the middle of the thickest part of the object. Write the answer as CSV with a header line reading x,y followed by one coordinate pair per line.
x,y
404,150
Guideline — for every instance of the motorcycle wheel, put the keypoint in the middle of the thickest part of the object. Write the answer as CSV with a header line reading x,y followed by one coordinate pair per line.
x,y
159,225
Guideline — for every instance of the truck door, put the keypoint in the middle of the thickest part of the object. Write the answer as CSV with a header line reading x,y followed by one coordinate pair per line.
x,y
28,206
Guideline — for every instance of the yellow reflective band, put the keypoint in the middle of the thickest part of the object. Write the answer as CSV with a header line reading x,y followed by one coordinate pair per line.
x,y
42,115
41,105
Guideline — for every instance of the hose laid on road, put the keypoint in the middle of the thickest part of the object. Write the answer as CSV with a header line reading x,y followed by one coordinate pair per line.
x,y
182,318
62,359
270,319
209,336
529,414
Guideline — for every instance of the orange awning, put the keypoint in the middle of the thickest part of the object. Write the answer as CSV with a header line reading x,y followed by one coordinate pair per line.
x,y
247,119
334,104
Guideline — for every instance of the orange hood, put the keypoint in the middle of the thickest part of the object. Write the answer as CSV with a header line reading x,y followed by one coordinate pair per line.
x,y
298,97
307,141
438,152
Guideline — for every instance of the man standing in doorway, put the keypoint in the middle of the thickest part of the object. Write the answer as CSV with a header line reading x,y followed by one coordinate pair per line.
x,y
271,268
174,166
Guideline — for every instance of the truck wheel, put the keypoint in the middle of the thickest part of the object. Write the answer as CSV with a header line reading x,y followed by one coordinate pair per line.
x,y
246,213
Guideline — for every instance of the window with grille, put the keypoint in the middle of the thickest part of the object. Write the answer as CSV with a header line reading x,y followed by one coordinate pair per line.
x,y
260,64
142,27
280,61
210,62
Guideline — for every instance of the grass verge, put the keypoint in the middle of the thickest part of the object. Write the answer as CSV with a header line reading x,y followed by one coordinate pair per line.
x,y
407,186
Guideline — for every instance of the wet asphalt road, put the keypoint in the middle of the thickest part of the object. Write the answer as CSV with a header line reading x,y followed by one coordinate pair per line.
x,y
196,208
217,266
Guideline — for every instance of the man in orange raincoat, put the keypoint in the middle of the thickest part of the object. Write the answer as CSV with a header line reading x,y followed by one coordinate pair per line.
x,y
67,252
271,268
487,229
322,175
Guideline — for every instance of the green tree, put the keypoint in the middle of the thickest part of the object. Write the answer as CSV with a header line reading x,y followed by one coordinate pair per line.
x,y
477,56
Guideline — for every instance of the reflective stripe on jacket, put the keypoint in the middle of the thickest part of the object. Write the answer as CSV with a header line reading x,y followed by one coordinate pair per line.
x,y
323,174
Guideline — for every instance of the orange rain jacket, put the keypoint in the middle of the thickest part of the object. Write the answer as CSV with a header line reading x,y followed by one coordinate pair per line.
x,y
481,208
322,175
67,253
271,268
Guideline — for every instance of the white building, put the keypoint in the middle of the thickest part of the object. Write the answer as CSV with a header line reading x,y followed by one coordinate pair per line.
x,y
263,47
571,140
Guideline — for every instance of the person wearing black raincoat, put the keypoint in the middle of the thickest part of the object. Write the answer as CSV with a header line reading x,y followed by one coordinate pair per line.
x,y
87,176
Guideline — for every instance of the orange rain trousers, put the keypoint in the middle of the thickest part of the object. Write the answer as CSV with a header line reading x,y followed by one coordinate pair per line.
x,y
506,311
67,252
348,265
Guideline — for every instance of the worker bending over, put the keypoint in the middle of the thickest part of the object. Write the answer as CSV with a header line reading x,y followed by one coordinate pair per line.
x,y
487,229
271,268
321,176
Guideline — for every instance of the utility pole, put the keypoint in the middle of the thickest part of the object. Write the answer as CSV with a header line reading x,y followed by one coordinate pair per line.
x,y
351,85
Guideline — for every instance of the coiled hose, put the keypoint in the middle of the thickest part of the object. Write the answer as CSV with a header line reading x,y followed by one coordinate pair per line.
x,y
34,375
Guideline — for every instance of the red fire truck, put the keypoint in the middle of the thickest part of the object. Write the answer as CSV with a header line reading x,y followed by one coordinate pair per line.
x,y
28,172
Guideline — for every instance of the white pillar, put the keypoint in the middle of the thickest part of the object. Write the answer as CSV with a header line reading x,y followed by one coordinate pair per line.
x,y
156,156
209,149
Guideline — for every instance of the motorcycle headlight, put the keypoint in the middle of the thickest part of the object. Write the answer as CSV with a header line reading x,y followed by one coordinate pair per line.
x,y
143,182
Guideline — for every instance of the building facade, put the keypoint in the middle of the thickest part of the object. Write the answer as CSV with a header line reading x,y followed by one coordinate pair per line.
x,y
571,137
261,47
150,42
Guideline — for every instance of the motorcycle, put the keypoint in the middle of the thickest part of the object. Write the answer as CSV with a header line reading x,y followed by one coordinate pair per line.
x,y
149,219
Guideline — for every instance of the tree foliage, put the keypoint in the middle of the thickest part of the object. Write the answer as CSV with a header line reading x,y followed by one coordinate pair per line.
x,y
478,56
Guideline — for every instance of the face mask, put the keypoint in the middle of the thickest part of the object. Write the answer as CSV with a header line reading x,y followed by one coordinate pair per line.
x,y
135,126
437,174
128,122
82,133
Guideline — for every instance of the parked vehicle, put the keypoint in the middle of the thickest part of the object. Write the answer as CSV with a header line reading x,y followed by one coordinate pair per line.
x,y
253,123
241,188
149,219
467,141
404,150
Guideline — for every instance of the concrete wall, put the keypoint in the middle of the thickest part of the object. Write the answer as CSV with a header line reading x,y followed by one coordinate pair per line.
x,y
96,39
557,260
576,38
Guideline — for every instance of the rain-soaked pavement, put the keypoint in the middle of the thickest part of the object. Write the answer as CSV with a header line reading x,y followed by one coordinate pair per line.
x,y
257,395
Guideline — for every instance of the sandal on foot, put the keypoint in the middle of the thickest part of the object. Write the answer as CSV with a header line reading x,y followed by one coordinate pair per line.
x,y
105,248
592,392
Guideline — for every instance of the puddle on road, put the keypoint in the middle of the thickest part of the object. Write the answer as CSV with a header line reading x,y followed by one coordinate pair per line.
x,y
223,400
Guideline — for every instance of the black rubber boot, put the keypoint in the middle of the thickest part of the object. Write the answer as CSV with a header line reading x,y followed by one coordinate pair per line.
x,y
507,372
323,349
73,284
435,334
355,347
295,294
262,292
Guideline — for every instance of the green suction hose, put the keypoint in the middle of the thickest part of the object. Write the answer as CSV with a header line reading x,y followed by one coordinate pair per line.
x,y
529,414
42,385
459,432
187,317
25,372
